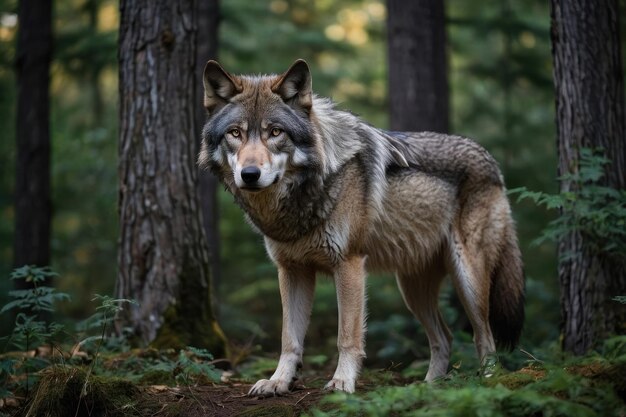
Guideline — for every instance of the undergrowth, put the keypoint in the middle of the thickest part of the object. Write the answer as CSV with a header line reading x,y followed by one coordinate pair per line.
x,y
593,386
56,370
596,211
48,369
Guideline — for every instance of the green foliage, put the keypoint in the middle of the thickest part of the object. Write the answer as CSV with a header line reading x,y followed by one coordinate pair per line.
x,y
187,367
57,367
33,327
100,322
37,299
596,211
193,365
30,330
558,393
555,386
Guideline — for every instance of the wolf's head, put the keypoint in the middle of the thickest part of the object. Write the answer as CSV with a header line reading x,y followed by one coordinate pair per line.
x,y
259,128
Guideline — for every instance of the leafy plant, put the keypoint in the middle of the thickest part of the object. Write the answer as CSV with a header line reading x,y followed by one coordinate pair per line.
x,y
37,299
33,329
555,393
30,330
101,322
620,299
105,313
596,211
192,365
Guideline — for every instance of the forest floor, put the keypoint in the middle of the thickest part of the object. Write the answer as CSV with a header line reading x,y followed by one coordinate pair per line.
x,y
144,383
231,399
228,400
589,388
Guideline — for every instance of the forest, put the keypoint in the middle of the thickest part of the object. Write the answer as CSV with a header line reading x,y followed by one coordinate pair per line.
x,y
131,282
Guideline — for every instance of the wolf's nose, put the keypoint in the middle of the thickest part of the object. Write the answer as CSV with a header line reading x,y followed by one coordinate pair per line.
x,y
250,174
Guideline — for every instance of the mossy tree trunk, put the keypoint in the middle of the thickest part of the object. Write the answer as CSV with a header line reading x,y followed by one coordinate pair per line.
x,y
163,256
590,113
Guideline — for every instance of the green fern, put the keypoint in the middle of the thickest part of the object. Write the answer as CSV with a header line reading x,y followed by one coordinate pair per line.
x,y
596,211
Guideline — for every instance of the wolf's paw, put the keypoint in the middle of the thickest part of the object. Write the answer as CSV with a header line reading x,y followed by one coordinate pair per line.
x,y
269,388
336,384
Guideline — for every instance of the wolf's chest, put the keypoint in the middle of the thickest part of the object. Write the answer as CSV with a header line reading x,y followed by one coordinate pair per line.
x,y
323,248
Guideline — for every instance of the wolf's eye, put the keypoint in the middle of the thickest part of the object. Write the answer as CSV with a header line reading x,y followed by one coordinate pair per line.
x,y
235,133
275,132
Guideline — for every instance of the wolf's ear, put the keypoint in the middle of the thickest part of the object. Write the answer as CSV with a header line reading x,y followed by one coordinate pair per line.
x,y
294,86
219,86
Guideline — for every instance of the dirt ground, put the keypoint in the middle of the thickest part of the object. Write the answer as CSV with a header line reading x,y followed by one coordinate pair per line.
x,y
225,400
231,399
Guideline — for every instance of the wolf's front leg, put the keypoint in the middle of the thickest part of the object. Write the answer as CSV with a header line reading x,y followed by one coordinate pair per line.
x,y
297,287
350,284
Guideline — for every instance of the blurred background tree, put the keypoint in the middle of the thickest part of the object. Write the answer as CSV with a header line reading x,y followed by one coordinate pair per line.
x,y
417,66
32,175
500,93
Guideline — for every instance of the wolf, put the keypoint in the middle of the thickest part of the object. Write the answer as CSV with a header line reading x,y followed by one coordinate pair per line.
x,y
335,195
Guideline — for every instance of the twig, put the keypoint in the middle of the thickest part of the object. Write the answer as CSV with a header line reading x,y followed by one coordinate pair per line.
x,y
302,397
531,355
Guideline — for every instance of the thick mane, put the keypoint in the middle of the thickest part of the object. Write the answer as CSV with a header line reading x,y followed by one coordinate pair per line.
x,y
345,137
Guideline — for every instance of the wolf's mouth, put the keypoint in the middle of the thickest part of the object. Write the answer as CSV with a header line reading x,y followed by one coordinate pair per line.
x,y
251,188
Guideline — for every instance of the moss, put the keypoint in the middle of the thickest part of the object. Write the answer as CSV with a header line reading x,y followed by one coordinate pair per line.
x,y
512,381
62,391
603,372
275,410
614,375
517,379
157,377
190,321
378,377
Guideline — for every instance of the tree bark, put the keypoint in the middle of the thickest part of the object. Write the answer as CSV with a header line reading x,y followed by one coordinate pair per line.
x,y
590,113
32,189
208,22
163,256
418,85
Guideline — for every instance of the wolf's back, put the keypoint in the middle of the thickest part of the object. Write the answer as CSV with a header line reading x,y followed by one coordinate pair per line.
x,y
467,166
455,159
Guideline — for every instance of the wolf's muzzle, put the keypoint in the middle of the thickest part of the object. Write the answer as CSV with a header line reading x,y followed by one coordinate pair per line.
x,y
250,174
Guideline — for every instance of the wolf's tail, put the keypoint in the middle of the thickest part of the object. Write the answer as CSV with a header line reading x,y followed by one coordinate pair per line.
x,y
506,295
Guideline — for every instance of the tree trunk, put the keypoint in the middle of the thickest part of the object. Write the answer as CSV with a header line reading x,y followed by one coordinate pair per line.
x,y
208,21
418,85
590,113
163,256
32,188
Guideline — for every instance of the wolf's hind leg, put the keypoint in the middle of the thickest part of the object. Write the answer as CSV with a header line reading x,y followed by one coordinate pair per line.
x,y
350,286
420,292
296,292
472,283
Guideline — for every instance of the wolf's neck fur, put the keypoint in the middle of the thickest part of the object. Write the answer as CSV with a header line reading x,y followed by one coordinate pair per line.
x,y
289,210
299,204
